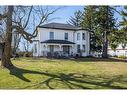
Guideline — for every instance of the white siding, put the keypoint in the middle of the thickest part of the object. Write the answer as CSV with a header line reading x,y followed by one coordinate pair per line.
x,y
43,35
58,34
82,42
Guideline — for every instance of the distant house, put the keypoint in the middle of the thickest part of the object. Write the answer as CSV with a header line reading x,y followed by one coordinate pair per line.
x,y
61,39
119,51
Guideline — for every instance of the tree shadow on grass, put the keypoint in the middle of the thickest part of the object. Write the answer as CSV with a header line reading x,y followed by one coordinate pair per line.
x,y
98,60
71,80
19,72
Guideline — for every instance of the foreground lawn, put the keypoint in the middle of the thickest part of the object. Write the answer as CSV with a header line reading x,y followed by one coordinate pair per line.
x,y
84,73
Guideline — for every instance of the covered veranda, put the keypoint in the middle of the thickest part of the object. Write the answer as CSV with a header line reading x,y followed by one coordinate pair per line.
x,y
57,48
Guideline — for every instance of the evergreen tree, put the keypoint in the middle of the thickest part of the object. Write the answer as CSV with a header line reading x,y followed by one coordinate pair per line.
x,y
114,40
123,30
89,17
106,24
76,20
89,22
100,20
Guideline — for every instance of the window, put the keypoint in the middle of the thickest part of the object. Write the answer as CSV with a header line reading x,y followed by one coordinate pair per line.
x,y
84,47
51,35
51,48
78,36
83,36
66,36
35,48
78,48
66,49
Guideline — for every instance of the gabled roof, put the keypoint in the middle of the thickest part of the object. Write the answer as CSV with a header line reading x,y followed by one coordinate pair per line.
x,y
58,42
61,26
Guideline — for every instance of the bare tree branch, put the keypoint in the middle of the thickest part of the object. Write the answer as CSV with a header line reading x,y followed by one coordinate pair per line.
x,y
2,16
22,28
28,17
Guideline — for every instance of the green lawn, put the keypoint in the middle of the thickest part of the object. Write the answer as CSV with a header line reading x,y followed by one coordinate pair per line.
x,y
84,73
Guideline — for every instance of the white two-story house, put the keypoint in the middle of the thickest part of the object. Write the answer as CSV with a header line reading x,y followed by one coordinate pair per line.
x,y
63,39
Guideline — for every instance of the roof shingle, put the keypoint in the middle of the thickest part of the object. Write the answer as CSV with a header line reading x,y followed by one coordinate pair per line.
x,y
60,26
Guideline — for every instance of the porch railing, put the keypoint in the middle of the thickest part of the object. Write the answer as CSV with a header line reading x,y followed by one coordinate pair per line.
x,y
57,54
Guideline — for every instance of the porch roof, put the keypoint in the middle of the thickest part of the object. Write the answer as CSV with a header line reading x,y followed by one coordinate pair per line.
x,y
58,42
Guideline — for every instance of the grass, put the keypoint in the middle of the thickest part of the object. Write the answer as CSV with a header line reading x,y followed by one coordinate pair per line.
x,y
83,73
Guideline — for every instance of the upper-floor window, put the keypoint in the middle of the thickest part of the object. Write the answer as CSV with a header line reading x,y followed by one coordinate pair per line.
x,y
78,36
83,36
51,35
66,36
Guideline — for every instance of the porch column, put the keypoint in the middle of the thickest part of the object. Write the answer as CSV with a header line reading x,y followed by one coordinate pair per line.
x,y
46,47
45,50
60,47
71,49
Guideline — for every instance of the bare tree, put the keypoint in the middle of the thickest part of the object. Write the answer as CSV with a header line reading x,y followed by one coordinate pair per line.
x,y
26,45
18,18
16,38
6,62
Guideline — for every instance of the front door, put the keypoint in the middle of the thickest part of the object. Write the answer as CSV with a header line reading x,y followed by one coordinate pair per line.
x,y
66,49
51,48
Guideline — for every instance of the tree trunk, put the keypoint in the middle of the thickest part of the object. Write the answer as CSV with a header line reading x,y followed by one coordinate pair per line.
x,y
106,30
105,46
6,56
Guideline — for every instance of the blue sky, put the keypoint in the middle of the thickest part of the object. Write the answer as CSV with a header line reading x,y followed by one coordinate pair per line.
x,y
64,13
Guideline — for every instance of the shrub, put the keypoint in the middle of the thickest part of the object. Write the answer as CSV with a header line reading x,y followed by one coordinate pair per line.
x,y
122,56
27,54
21,54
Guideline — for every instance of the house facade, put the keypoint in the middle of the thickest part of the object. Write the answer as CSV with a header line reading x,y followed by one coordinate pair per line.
x,y
118,52
61,39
